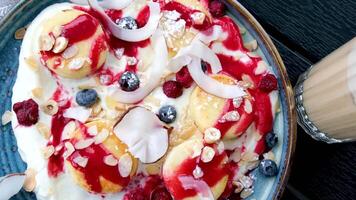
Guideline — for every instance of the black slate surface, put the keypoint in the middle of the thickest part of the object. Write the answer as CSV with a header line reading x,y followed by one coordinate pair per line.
x,y
305,31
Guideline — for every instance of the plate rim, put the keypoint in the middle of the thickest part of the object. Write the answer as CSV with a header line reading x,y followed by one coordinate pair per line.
x,y
272,50
288,89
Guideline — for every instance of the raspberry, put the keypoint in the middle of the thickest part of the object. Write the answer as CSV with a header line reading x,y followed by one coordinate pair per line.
x,y
172,89
268,83
161,194
184,78
26,112
217,8
136,194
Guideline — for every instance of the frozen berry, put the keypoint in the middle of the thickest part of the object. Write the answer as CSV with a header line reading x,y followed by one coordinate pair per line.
x,y
26,112
136,194
271,139
127,23
268,83
184,78
86,97
217,8
129,81
172,89
167,114
268,168
161,193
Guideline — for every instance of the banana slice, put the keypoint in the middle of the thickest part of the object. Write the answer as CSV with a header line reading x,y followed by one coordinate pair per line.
x,y
207,111
99,164
77,58
187,177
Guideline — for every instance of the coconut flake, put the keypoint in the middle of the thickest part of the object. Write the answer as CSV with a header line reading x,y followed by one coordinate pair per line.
x,y
156,72
10,185
199,50
146,140
211,85
108,4
209,37
134,35
79,113
203,189
198,172
232,116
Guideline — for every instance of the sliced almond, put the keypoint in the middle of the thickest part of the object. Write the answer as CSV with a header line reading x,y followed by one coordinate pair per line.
x,y
20,33
198,172
57,31
6,117
242,30
81,161
251,46
249,156
48,151
110,160
236,155
207,154
93,130
69,149
232,116
246,193
60,45
101,137
50,107
44,130
269,155
70,52
261,67
246,181
37,92
30,180
211,135
248,106
220,147
47,42
237,102
68,130
125,165
82,144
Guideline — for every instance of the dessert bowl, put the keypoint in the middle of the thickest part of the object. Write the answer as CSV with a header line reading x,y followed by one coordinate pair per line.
x,y
254,38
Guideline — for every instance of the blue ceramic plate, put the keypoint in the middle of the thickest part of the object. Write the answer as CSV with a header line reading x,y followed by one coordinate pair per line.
x,y
285,123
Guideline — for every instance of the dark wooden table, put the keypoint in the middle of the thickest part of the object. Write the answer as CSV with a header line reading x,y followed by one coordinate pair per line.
x,y
305,31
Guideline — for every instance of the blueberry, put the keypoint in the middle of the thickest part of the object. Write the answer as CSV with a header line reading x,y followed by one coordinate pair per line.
x,y
127,23
86,97
129,81
271,140
167,114
268,168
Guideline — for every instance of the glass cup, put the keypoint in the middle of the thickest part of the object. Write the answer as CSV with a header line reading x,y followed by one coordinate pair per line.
x,y
326,97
